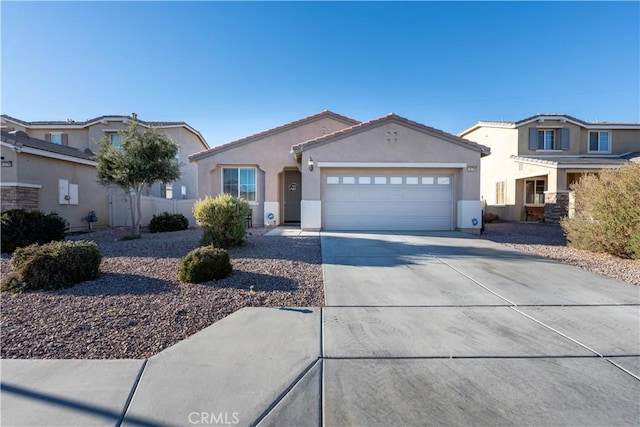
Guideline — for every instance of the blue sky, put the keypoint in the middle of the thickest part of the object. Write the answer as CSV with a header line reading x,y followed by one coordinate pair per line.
x,y
235,68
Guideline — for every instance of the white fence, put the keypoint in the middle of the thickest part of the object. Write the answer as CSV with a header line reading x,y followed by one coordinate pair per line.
x,y
120,210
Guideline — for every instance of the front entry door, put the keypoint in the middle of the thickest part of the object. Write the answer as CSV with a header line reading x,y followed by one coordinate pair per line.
x,y
292,195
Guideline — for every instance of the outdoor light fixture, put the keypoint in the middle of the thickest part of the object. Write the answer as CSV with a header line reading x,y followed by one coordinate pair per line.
x,y
310,163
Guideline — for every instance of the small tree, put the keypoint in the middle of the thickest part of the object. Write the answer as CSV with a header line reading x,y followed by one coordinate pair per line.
x,y
143,158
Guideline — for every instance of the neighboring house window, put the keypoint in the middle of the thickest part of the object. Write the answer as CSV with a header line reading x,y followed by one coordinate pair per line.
x,y
115,139
57,138
169,191
183,191
501,193
240,182
546,140
549,139
534,191
600,141
178,156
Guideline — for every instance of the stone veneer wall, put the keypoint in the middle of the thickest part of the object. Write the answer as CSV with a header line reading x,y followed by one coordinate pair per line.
x,y
19,198
556,206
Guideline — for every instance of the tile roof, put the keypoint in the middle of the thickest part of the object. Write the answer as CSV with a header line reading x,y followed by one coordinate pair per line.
x,y
576,160
90,121
272,131
21,139
391,117
76,125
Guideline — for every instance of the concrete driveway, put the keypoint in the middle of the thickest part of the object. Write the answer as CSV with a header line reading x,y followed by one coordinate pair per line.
x,y
447,329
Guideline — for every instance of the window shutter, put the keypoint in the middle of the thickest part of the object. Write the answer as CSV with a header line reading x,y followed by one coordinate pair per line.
x,y
533,138
47,137
564,138
65,139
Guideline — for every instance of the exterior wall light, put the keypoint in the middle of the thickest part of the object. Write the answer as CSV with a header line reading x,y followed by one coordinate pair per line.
x,y
310,164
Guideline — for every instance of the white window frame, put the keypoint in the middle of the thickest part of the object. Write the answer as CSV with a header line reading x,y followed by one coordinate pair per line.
x,y
598,132
238,169
544,140
535,182
501,193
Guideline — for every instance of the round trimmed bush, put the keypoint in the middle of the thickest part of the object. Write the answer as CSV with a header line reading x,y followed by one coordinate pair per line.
x,y
55,265
168,222
205,263
223,220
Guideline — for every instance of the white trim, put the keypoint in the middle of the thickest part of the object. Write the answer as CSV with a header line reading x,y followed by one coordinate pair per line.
x,y
19,184
578,166
599,131
583,125
58,156
390,165
255,174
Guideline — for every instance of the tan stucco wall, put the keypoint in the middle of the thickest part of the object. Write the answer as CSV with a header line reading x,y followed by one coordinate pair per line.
x,y
412,146
9,174
269,155
46,172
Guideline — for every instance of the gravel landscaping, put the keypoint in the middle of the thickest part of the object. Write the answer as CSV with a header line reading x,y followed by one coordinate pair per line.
x,y
138,306
549,241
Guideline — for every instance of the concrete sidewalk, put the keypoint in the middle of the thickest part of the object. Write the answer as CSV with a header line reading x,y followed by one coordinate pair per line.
x,y
431,329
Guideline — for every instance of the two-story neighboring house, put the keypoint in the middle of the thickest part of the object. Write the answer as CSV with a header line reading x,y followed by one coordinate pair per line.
x,y
534,161
50,165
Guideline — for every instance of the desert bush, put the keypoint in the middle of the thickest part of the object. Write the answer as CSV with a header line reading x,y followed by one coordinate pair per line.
x,y
168,222
607,212
205,263
22,228
223,220
55,265
490,217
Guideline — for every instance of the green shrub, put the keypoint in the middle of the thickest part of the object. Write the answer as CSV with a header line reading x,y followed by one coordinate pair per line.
x,y
55,265
205,263
607,212
168,222
22,228
223,220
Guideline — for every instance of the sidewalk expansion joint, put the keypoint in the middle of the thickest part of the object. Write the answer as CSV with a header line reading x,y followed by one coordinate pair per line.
x,y
622,368
562,356
556,331
285,392
127,404
476,282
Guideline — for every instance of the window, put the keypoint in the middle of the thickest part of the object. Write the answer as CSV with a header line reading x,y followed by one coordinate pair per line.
x,y
428,180
333,180
534,191
501,193
412,180
380,180
183,191
546,140
240,182
56,138
599,141
169,191
364,180
178,156
444,180
395,180
348,179
115,139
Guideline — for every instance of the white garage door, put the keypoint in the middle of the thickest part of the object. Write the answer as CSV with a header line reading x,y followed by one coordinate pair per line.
x,y
380,201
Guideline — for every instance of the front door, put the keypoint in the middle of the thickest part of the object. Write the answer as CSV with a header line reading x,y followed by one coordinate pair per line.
x,y
292,195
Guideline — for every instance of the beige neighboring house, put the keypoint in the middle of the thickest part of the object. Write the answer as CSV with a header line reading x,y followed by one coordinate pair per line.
x,y
330,172
46,161
534,161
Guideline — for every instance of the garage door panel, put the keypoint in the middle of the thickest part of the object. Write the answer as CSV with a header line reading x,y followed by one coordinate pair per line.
x,y
412,205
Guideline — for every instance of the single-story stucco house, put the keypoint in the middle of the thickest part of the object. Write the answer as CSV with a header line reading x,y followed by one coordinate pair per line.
x,y
330,172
